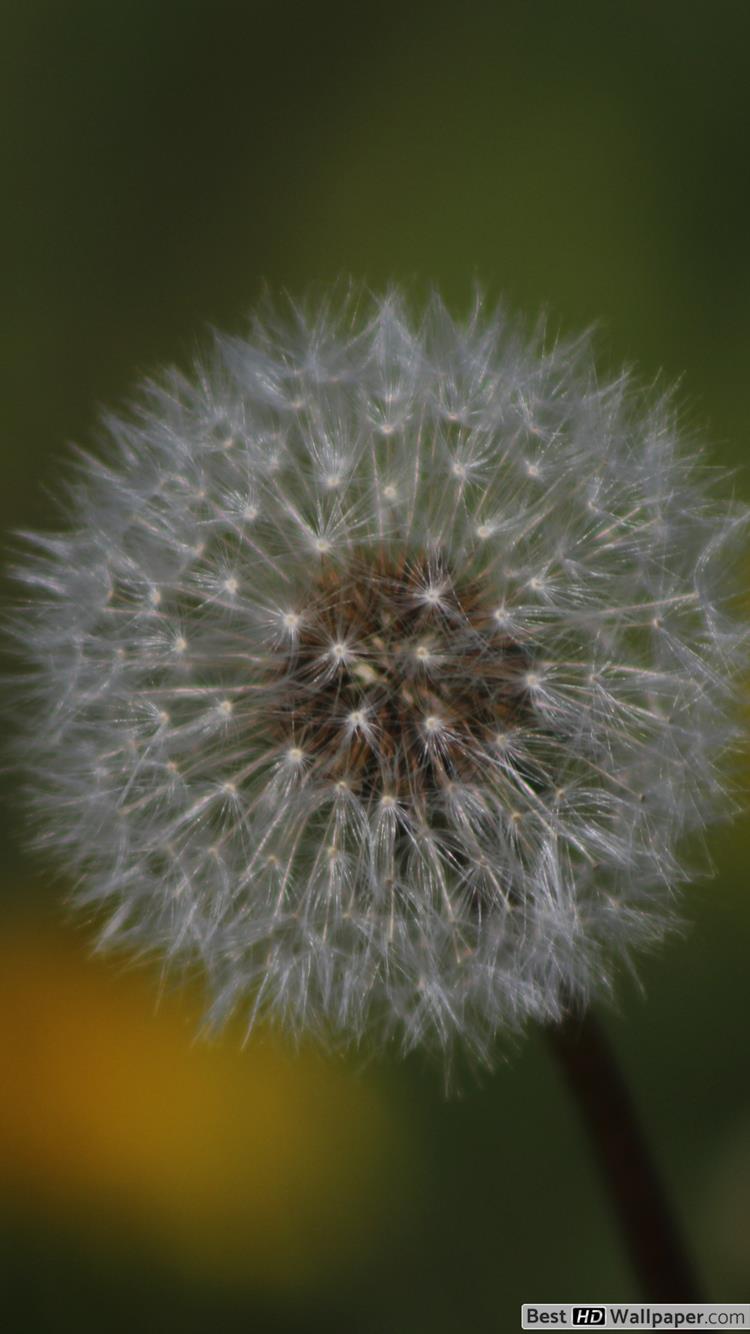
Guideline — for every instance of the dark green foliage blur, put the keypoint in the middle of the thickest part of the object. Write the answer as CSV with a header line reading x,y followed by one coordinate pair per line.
x,y
161,161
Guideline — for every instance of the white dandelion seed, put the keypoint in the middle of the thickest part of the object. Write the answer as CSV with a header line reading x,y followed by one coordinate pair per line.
x,y
422,768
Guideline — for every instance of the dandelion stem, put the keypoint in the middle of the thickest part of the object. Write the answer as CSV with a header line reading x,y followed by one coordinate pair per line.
x,y
653,1239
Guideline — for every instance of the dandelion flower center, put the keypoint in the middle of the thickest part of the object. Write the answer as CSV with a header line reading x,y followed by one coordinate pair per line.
x,y
399,680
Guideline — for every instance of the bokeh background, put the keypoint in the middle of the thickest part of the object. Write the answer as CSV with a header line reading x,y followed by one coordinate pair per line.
x,y
161,160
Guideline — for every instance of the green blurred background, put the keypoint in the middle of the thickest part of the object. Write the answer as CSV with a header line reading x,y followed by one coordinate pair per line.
x,y
161,160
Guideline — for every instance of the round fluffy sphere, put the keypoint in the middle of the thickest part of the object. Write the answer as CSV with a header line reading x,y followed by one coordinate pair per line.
x,y
381,670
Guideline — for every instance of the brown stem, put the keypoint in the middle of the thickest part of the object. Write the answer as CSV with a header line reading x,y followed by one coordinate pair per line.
x,y
650,1232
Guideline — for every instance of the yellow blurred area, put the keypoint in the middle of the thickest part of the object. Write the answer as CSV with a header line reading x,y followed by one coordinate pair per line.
x,y
261,1165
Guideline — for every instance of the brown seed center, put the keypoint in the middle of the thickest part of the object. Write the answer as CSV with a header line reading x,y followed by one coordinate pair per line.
x,y
399,679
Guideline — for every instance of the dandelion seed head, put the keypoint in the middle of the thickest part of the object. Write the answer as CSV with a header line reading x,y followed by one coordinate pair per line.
x,y
423,769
